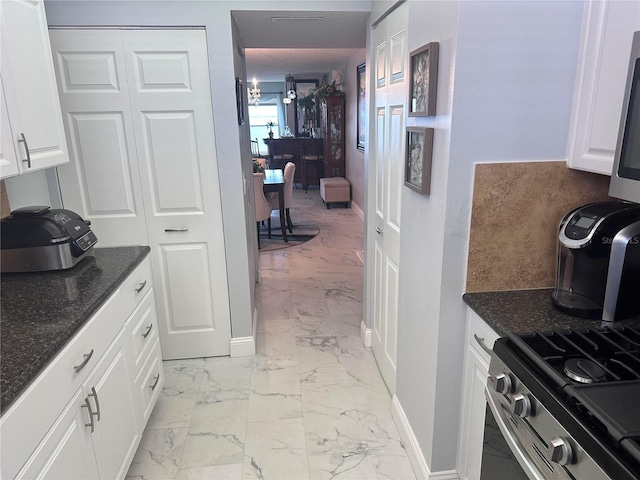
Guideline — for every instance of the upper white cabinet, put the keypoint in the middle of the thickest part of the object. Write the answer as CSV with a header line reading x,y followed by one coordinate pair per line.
x,y
33,130
607,32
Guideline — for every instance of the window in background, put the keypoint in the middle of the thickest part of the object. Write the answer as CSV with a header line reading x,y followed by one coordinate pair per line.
x,y
258,118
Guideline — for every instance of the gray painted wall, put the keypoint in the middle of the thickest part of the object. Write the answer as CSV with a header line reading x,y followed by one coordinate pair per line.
x,y
505,87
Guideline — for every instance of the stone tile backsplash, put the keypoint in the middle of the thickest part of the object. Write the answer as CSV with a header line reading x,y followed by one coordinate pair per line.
x,y
514,221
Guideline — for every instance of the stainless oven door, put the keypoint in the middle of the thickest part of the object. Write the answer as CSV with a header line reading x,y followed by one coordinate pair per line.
x,y
498,461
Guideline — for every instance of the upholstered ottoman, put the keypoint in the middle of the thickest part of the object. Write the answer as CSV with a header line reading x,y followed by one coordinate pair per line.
x,y
335,189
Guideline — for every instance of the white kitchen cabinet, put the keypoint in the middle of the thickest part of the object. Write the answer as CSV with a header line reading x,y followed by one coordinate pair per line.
x,y
67,443
480,338
8,157
110,392
607,32
30,90
98,431
86,422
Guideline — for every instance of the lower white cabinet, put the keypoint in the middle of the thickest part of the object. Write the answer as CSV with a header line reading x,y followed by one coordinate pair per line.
x,y
112,411
67,443
480,338
96,434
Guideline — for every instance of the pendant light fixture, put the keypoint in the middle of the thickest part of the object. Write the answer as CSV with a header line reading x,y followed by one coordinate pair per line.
x,y
254,93
290,87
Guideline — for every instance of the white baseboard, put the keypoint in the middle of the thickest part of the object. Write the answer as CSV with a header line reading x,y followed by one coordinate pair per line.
x,y
365,335
245,346
412,446
359,212
242,347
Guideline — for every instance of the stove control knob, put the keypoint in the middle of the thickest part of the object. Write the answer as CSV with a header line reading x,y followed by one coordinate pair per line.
x,y
502,383
521,405
559,451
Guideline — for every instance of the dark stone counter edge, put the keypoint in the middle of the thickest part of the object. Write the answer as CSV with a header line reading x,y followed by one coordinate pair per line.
x,y
478,306
9,395
524,311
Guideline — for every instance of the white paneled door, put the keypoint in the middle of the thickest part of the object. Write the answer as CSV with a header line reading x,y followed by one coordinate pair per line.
x,y
388,159
137,106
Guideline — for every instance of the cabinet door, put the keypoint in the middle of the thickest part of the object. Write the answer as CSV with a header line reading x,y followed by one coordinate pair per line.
x,y
30,86
607,33
8,159
66,453
109,390
474,408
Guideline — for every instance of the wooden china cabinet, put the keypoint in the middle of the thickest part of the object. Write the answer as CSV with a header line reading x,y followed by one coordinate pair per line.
x,y
333,116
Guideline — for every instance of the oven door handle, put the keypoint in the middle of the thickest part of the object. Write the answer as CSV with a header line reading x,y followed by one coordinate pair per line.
x,y
512,442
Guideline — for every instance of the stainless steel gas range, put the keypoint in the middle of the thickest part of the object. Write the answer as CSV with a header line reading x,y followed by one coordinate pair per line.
x,y
568,402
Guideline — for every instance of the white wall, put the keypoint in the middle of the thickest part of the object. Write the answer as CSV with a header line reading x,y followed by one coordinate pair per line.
x,y
505,86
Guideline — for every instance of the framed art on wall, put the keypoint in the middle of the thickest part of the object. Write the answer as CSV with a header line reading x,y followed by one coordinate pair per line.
x,y
417,170
423,80
240,100
362,103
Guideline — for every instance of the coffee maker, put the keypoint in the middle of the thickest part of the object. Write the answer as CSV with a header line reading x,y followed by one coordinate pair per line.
x,y
598,264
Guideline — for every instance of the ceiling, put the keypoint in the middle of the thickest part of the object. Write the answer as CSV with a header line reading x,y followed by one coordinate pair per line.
x,y
278,43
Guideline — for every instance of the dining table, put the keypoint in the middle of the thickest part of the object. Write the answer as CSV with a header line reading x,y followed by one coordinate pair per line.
x,y
274,182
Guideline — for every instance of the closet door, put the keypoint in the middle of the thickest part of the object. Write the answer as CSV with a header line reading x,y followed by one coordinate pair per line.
x,y
101,181
173,125
386,183
144,168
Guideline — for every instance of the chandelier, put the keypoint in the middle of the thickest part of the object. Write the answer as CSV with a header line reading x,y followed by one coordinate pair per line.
x,y
254,94
290,87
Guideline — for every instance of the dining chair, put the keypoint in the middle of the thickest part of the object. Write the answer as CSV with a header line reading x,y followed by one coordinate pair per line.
x,y
263,207
255,148
289,174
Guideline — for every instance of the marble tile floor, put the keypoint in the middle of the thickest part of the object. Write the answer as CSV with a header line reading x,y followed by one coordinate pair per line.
x,y
311,403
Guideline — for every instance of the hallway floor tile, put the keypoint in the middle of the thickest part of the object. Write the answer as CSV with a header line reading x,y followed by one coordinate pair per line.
x,y
311,403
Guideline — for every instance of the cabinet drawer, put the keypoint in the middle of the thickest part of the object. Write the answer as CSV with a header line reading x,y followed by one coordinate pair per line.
x,y
143,328
36,409
480,335
136,286
150,381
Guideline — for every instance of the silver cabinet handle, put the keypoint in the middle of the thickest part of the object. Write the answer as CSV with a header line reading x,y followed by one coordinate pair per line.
x,y
155,384
480,341
87,405
148,331
378,230
95,397
141,286
26,147
87,357
181,229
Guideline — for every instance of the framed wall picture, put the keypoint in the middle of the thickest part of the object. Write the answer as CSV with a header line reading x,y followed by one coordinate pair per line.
x,y
423,80
362,104
417,170
240,100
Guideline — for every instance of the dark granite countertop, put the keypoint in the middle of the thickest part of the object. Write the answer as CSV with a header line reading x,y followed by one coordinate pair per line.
x,y
520,311
42,311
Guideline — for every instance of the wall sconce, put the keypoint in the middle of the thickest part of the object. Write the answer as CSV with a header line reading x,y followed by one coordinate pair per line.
x,y
290,87
254,94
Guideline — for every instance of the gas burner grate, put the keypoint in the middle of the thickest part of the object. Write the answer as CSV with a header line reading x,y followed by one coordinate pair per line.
x,y
609,354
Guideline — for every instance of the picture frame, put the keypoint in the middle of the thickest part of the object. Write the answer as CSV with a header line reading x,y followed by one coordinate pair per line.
x,y
240,100
417,170
423,80
362,104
